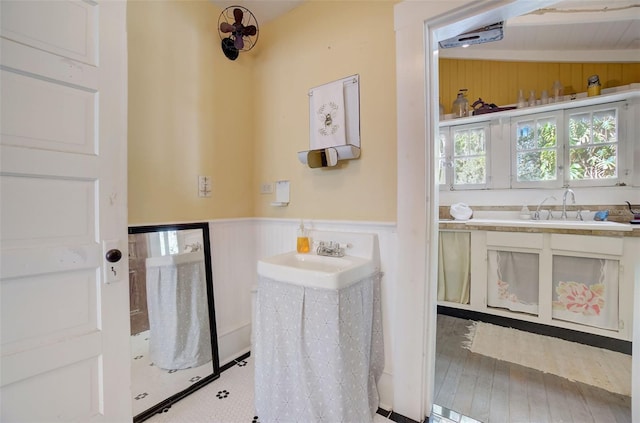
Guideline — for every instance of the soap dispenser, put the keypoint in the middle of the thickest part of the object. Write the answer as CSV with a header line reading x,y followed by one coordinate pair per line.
x,y
303,239
460,106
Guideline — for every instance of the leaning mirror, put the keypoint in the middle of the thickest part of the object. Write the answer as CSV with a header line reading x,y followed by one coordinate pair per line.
x,y
173,332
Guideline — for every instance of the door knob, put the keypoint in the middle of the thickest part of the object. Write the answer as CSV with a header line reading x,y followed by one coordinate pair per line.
x,y
113,255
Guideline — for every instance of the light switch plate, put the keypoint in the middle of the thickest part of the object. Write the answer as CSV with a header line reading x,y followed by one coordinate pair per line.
x,y
266,188
204,186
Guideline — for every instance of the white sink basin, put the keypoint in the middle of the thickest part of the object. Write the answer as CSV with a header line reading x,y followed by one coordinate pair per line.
x,y
593,225
315,271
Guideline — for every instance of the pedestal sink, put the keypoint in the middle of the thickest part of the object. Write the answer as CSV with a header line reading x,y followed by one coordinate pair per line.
x,y
318,333
316,271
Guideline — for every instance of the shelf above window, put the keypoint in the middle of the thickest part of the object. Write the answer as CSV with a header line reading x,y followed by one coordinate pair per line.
x,y
608,95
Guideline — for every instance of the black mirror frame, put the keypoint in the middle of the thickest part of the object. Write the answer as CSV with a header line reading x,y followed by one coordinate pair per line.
x,y
168,402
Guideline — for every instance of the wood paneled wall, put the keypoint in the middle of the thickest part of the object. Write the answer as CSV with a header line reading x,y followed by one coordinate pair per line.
x,y
499,82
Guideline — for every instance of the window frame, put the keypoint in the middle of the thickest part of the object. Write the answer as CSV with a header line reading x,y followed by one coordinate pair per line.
x,y
449,157
622,141
558,115
501,150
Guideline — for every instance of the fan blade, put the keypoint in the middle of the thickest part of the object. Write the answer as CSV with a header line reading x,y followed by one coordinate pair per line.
x,y
239,42
249,30
237,14
227,27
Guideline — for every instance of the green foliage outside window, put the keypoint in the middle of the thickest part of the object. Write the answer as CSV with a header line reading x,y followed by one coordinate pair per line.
x,y
587,148
469,162
593,142
470,171
537,151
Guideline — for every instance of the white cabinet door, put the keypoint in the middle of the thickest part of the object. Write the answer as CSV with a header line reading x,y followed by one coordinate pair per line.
x,y
586,279
513,271
64,310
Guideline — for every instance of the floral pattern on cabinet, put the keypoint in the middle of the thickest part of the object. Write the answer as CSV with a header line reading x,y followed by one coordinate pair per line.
x,y
585,291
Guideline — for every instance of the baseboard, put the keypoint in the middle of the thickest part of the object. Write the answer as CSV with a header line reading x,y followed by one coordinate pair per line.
x,y
385,391
554,331
234,343
399,418
235,361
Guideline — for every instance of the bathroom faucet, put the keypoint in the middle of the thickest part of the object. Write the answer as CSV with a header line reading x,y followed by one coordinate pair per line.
x,y
563,216
333,249
536,214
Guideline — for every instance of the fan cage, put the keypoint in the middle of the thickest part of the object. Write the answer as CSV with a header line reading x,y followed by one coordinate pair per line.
x,y
248,18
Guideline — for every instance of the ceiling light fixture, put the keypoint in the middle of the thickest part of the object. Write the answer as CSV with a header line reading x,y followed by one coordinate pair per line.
x,y
486,34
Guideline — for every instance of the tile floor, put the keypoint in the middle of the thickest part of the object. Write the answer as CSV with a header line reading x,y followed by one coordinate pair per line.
x,y
228,399
150,384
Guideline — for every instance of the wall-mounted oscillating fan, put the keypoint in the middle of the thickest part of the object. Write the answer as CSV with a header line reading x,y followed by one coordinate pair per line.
x,y
238,30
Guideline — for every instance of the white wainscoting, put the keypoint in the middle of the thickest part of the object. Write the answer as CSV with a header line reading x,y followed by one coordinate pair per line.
x,y
237,245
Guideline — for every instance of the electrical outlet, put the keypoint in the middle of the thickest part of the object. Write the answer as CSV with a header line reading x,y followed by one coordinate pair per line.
x,y
266,188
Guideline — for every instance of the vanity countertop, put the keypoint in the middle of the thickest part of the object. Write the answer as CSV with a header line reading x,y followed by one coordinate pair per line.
x,y
629,230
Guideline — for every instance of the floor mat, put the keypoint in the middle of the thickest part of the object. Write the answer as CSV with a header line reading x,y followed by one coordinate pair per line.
x,y
594,366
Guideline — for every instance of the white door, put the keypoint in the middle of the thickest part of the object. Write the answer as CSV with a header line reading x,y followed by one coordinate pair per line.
x,y
64,325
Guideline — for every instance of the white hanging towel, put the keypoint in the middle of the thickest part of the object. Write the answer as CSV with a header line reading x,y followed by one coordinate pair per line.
x,y
329,116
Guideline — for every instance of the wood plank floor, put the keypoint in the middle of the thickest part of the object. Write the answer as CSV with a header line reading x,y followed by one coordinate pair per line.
x,y
494,391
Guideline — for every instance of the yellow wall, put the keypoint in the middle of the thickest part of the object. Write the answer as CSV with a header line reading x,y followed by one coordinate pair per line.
x,y
316,43
189,115
498,81
194,112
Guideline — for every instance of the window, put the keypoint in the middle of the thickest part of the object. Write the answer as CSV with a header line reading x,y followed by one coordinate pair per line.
x,y
162,243
593,144
548,147
575,147
537,150
169,243
463,156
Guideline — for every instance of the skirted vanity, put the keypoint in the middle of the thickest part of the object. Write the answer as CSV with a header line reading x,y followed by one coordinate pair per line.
x,y
318,341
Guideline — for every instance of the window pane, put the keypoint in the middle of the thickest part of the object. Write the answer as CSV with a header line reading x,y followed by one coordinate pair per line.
x,y
476,142
526,136
470,170
442,145
537,150
599,162
442,159
593,152
580,129
596,128
536,166
460,142
441,176
469,142
605,127
547,134
469,156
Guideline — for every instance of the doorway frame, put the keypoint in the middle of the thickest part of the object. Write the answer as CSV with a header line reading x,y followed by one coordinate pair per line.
x,y
418,26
